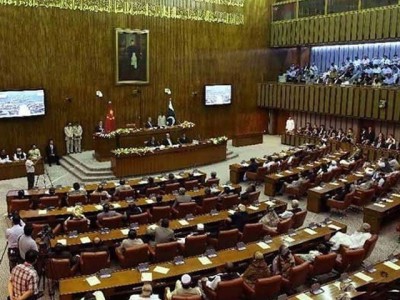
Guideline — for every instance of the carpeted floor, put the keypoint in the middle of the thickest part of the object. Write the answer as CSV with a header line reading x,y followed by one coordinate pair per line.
x,y
386,245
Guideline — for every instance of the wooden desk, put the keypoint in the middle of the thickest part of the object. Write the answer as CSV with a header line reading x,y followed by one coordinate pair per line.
x,y
246,139
375,214
168,159
118,234
16,169
316,197
272,180
124,278
103,145
331,290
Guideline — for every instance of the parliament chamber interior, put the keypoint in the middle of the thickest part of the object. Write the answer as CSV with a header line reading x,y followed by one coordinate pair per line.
x,y
200,149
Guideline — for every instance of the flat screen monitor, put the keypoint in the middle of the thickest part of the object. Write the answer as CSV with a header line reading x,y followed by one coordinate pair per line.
x,y
220,94
23,103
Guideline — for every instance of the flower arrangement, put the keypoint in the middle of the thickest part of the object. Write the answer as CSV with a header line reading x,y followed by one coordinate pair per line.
x,y
119,131
218,140
186,124
132,151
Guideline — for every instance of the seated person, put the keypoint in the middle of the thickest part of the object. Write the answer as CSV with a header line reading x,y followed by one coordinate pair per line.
x,y
224,274
270,220
240,218
107,213
130,242
183,287
333,166
100,191
152,142
132,210
341,194
77,214
162,234
269,162
352,241
226,191
198,231
257,269
122,187
147,293
184,139
290,212
97,295
213,177
99,128
97,246
149,123
182,197
394,164
253,166
312,254
60,252
294,184
77,190
283,262
250,189
52,153
167,141
34,153
19,154
4,158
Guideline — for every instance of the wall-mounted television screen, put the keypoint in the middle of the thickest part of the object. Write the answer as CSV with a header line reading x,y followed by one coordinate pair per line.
x,y
24,103
218,94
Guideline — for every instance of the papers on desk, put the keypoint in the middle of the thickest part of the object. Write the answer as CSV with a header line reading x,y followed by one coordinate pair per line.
x,y
197,174
143,182
288,172
93,280
62,241
279,175
183,222
253,207
70,209
389,200
125,231
98,207
269,203
116,205
392,265
310,231
334,227
359,175
244,165
310,165
214,190
231,211
288,239
178,177
396,195
147,276
303,297
318,188
162,179
85,240
300,168
42,211
205,260
364,277
343,180
379,205
263,245
149,201
334,183
161,270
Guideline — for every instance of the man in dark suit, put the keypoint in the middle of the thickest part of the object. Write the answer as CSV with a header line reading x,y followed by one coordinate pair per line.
x,y
184,139
152,142
149,123
51,153
370,136
167,141
99,128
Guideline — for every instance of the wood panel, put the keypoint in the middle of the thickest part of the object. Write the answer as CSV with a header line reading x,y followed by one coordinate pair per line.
x,y
71,54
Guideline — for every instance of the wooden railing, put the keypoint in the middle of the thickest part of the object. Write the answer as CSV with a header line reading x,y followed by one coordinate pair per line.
x,y
351,101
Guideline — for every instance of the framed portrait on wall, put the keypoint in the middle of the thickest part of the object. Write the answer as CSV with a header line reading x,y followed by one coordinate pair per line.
x,y
132,56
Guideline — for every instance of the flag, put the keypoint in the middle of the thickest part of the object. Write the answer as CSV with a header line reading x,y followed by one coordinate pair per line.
x,y
110,119
170,114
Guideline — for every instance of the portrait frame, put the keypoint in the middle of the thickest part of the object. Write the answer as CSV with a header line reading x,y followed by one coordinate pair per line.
x,y
132,56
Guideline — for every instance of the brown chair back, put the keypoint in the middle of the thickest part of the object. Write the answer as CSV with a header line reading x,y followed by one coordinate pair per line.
x,y
299,218
208,205
72,200
20,204
230,289
122,195
227,239
323,264
80,225
212,181
96,198
37,228
49,201
253,196
143,218
112,222
153,190
267,288
160,212
351,259
190,184
195,245
166,251
261,172
229,201
284,226
298,275
252,232
170,187
133,256
92,262
186,297
185,208
369,245
58,268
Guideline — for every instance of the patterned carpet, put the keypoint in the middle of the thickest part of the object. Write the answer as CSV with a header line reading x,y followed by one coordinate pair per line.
x,y
387,243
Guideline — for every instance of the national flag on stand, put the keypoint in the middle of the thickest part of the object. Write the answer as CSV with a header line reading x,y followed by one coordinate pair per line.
x,y
170,114
110,119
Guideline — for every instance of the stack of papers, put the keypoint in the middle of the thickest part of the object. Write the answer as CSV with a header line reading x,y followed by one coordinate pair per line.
x,y
125,231
149,201
85,240
364,277
392,265
253,207
161,270
42,211
205,260
62,241
263,245
147,276
310,231
288,239
116,205
303,297
379,205
93,280
334,227
70,209
183,222
98,207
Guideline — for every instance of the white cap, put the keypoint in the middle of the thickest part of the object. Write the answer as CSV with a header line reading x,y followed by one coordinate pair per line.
x,y
200,227
186,279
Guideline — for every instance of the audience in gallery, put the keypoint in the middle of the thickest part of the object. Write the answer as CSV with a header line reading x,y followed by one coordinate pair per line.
x,y
375,72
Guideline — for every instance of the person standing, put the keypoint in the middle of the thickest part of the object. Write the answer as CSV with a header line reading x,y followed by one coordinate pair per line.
x,y
30,172
26,242
78,131
24,280
290,126
12,235
69,138
52,153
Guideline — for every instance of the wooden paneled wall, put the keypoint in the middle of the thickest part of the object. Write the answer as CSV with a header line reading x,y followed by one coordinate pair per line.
x,y
352,101
365,25
71,54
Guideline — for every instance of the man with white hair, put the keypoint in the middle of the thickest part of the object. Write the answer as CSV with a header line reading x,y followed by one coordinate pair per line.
x,y
354,240
182,197
333,166
290,212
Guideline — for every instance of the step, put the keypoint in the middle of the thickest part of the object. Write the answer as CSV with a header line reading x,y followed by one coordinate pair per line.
x,y
94,166
81,168
85,178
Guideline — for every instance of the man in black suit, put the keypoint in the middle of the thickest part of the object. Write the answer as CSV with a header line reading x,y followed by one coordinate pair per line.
x,y
370,136
167,141
184,139
149,123
51,153
152,142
